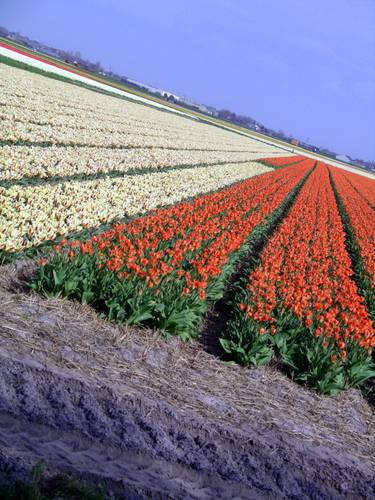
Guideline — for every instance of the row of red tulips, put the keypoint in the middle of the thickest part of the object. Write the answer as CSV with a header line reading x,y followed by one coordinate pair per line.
x,y
282,161
164,268
363,185
353,197
361,215
301,302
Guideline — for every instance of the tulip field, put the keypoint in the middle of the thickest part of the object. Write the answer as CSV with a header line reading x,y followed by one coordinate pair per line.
x,y
152,218
301,300
168,264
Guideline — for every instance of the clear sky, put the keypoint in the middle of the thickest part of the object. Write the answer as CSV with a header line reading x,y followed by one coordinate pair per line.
x,y
304,66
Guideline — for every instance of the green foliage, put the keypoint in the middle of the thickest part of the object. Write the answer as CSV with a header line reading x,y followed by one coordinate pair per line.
x,y
306,358
124,300
244,344
315,362
130,301
59,487
359,366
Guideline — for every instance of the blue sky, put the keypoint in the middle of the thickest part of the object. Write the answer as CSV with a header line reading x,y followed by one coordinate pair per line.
x,y
306,67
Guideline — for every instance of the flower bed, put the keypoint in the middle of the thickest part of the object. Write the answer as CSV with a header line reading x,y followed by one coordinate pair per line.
x,y
301,301
354,201
30,162
282,161
163,269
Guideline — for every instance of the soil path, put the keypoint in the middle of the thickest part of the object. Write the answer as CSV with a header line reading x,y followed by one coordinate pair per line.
x,y
122,471
151,450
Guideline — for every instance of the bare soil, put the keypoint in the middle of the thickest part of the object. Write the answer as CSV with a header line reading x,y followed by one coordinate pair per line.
x,y
149,418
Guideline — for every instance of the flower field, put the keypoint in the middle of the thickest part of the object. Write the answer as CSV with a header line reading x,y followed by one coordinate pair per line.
x,y
153,218
361,215
161,269
60,114
301,300
37,213
28,163
72,159
363,186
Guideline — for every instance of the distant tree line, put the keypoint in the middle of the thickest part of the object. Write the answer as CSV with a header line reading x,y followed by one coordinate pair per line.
x,y
248,122
75,58
242,120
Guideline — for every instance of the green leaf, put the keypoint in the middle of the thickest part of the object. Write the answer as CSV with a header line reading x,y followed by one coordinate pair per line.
x,y
58,276
87,297
139,317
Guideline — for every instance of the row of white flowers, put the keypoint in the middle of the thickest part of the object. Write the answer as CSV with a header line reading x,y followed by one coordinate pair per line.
x,y
17,131
25,161
31,214
45,101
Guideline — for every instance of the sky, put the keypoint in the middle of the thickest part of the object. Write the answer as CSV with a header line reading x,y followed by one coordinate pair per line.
x,y
304,67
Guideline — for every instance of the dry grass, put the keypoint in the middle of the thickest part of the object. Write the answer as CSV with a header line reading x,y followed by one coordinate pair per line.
x,y
68,335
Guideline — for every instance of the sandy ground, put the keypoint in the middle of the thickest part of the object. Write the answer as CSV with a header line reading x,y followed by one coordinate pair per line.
x,y
162,419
